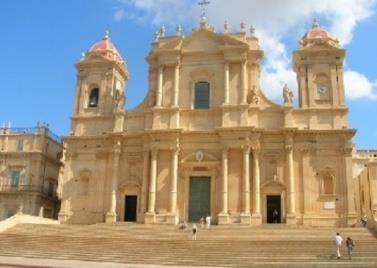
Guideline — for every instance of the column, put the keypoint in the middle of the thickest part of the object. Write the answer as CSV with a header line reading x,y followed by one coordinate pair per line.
x,y
226,83
144,189
245,215
150,215
256,215
223,217
111,214
176,85
291,217
173,217
244,81
159,86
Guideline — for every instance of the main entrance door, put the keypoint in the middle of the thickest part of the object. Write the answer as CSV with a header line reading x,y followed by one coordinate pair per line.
x,y
130,207
273,209
200,198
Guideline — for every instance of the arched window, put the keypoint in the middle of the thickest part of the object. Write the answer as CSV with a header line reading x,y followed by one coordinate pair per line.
x,y
327,181
328,184
201,98
93,97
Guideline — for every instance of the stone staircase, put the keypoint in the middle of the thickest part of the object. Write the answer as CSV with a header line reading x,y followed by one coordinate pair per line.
x,y
219,246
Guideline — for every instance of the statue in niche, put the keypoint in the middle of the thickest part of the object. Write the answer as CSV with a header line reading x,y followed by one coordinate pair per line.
x,y
152,98
119,100
252,97
287,95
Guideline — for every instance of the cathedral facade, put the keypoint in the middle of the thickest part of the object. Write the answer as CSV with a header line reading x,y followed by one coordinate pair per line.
x,y
206,141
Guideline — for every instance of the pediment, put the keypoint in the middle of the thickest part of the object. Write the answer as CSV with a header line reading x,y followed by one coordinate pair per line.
x,y
202,41
199,156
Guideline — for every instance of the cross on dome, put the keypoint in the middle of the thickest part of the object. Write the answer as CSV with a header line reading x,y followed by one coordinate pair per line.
x,y
203,4
315,23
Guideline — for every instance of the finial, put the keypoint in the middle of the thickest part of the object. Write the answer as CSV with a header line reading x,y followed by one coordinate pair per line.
x,y
162,31
106,35
156,36
315,23
82,54
243,27
203,16
178,30
252,31
226,26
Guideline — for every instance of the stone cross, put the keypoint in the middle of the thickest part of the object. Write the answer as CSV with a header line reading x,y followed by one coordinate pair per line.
x,y
203,5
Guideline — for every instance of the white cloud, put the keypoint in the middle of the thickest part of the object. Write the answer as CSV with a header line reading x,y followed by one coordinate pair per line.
x,y
358,86
276,22
120,14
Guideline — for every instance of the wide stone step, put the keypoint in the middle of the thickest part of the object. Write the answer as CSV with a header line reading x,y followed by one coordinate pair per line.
x,y
222,246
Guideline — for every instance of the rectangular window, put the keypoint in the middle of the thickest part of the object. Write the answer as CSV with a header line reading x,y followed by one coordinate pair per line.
x,y
50,189
15,178
201,95
20,145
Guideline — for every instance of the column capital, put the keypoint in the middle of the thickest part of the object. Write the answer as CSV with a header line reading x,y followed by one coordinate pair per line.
x,y
288,147
246,148
154,151
117,146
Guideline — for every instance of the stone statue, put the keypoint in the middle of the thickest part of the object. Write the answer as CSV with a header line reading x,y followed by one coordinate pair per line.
x,y
287,95
152,98
119,100
252,97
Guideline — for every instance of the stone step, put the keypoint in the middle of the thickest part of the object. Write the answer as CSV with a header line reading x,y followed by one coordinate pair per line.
x,y
223,246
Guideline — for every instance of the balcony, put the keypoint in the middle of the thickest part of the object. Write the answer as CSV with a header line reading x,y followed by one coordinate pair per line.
x,y
27,189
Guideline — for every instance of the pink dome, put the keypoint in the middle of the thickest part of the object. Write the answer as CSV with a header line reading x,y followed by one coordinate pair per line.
x,y
106,48
317,34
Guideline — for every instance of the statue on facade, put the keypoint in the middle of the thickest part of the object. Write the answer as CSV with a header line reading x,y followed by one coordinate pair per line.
x,y
252,97
119,100
287,95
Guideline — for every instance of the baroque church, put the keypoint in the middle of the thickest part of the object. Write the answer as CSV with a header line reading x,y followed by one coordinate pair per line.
x,y
206,141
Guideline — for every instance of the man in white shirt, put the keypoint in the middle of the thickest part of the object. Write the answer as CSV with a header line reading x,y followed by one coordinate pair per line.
x,y
338,243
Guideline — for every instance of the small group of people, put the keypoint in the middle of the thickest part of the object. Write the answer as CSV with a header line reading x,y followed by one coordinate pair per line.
x,y
205,221
349,244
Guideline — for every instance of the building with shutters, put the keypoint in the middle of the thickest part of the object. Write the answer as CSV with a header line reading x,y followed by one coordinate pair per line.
x,y
29,170
206,140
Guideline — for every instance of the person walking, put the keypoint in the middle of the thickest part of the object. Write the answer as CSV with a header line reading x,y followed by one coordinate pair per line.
x,y
350,245
275,215
202,222
338,243
194,229
208,221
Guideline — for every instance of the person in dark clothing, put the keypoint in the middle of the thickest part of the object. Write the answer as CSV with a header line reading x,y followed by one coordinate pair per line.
x,y
350,245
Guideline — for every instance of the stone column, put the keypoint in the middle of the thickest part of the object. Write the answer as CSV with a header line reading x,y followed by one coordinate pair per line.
x,y
150,216
159,86
173,216
176,85
226,83
245,215
111,214
223,217
244,82
144,189
291,215
256,215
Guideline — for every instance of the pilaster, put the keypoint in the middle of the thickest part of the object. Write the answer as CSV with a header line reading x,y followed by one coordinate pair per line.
x,y
223,217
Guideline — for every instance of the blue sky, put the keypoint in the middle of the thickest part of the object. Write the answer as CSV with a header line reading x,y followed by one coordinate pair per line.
x,y
41,40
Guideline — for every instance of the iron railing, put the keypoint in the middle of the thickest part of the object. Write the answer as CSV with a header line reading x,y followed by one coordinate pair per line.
x,y
31,130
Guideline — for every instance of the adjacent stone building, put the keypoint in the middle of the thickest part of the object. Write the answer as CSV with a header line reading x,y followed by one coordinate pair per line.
x,y
29,168
206,140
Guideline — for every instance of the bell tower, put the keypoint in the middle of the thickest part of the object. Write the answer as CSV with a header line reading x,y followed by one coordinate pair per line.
x,y
318,64
100,89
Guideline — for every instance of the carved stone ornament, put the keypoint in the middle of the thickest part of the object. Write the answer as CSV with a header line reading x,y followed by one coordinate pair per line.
x,y
199,156
252,96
